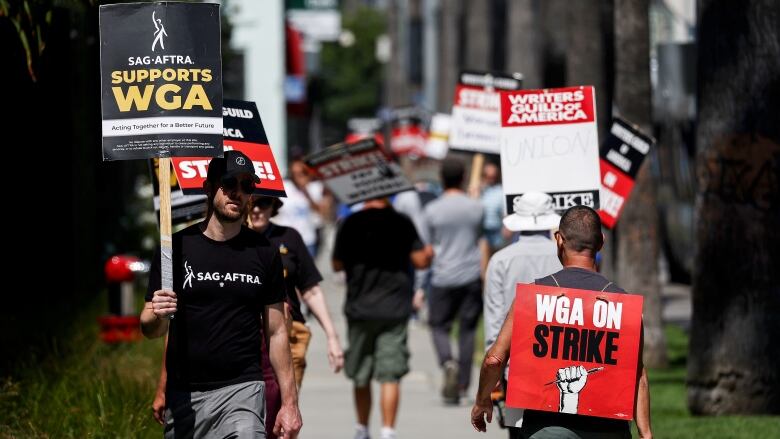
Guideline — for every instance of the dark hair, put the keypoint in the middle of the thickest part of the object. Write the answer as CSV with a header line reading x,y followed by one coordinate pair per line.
x,y
452,171
581,227
276,203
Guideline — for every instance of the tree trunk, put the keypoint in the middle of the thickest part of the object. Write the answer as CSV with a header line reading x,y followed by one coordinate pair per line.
x,y
523,49
734,366
397,85
588,43
477,35
586,54
449,40
637,270
554,35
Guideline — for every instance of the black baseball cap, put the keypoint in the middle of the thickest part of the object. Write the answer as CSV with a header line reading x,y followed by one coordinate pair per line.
x,y
232,164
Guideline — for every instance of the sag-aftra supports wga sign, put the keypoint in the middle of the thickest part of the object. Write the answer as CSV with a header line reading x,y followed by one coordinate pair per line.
x,y
161,79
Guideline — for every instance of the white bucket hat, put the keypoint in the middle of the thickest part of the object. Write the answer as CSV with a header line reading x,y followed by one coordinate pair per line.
x,y
533,211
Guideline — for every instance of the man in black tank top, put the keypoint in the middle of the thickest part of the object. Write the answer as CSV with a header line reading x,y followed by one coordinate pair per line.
x,y
578,239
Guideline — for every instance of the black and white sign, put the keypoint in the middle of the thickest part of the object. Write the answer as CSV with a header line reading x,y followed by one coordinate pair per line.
x,y
358,171
622,154
161,80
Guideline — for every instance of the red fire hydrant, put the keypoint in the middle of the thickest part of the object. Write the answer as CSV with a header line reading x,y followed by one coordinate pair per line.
x,y
122,323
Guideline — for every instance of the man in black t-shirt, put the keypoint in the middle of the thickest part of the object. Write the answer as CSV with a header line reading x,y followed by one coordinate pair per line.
x,y
230,286
578,239
378,247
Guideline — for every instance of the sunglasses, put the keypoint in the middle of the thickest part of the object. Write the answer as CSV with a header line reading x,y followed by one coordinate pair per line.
x,y
263,202
229,184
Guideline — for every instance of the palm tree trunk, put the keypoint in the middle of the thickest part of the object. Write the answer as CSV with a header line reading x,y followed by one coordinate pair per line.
x,y
523,51
733,365
449,65
477,35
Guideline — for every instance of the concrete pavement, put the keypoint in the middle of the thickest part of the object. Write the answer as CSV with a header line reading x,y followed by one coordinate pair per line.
x,y
326,398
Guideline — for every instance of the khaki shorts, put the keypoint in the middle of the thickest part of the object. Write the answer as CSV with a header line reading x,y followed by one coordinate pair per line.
x,y
378,350
300,336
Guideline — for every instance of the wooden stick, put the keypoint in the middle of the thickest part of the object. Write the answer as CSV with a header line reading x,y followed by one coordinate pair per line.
x,y
166,242
476,174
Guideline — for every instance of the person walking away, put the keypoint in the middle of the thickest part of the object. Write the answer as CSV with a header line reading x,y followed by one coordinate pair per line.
x,y
578,239
455,229
378,248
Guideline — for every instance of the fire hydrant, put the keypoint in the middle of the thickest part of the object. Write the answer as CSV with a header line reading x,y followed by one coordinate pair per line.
x,y
122,323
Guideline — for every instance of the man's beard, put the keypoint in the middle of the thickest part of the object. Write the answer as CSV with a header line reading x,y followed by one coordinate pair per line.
x,y
225,216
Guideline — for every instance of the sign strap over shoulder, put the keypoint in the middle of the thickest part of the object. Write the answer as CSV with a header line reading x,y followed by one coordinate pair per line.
x,y
556,281
605,286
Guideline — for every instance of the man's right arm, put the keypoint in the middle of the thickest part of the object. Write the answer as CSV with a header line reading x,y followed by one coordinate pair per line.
x,y
490,373
155,315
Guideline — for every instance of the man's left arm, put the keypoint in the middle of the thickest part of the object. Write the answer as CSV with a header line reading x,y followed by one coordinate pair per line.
x,y
642,409
642,406
288,421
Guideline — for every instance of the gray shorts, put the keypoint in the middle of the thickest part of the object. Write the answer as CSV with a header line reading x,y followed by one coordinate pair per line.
x,y
236,411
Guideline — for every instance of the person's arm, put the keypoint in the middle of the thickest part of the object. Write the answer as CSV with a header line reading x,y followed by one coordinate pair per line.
x,y
339,246
484,256
288,421
154,317
642,407
159,403
490,374
493,301
422,258
315,300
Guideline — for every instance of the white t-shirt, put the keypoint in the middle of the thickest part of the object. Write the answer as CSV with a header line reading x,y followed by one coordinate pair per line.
x,y
297,213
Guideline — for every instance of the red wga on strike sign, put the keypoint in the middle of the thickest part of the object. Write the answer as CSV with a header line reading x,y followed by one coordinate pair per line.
x,y
575,351
546,107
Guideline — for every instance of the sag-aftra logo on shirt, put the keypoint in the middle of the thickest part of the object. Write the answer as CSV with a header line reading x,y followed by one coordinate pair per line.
x,y
191,275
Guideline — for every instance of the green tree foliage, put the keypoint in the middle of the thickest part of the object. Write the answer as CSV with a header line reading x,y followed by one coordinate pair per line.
x,y
30,20
352,76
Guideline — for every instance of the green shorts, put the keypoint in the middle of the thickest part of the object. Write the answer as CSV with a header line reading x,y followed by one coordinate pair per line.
x,y
377,349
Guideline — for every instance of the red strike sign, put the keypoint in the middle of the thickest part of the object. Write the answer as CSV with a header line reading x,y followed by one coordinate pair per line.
x,y
356,137
408,139
575,351
547,107
477,98
192,171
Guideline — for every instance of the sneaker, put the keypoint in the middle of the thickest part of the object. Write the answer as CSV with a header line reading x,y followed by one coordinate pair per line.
x,y
449,391
388,433
361,432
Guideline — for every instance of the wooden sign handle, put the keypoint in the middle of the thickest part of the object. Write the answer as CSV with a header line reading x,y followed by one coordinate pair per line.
x,y
476,174
166,242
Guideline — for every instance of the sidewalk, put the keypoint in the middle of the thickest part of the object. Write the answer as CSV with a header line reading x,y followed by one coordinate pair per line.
x,y
326,398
